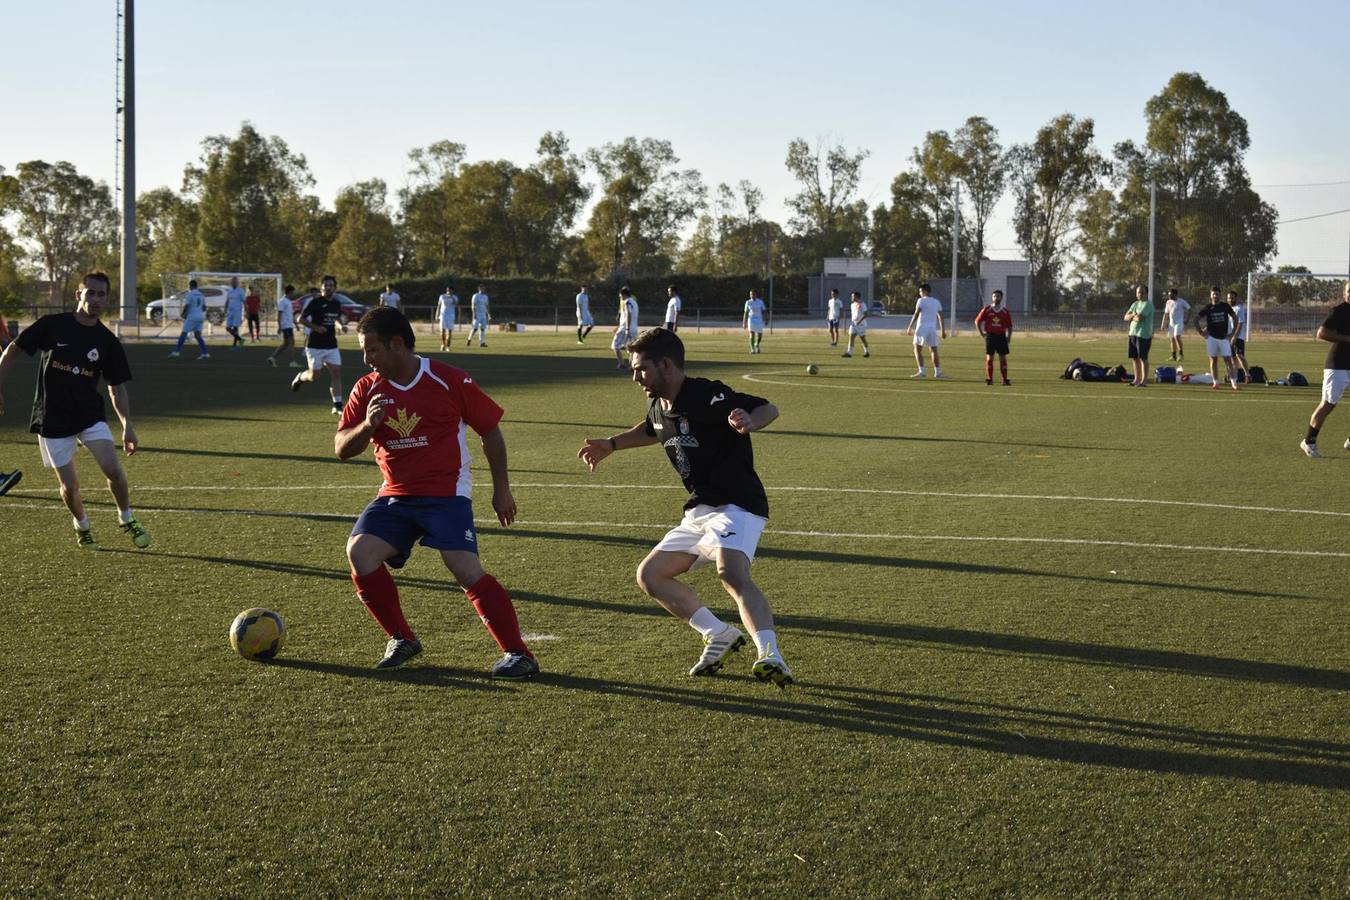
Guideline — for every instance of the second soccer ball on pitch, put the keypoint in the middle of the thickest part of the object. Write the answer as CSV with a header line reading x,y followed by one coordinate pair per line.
x,y
257,634
812,369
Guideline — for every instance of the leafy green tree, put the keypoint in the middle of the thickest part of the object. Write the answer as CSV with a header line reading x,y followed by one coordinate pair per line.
x,y
827,218
428,204
1053,177
644,202
312,230
166,235
732,239
240,185
11,272
910,238
365,250
65,220
982,167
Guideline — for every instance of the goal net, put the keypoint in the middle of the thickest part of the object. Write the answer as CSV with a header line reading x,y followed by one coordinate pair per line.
x,y
266,285
1291,302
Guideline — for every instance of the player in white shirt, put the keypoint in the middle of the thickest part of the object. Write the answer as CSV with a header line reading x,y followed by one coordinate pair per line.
x,y
857,324
627,332
834,311
234,311
390,297
673,307
928,315
447,313
585,321
752,320
1174,321
1240,336
285,328
479,304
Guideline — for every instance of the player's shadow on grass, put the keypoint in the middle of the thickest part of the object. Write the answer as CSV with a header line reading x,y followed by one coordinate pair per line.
x,y
940,440
1014,731
253,454
431,676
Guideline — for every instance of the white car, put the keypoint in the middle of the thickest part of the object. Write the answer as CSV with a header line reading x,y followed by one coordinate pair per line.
x,y
171,308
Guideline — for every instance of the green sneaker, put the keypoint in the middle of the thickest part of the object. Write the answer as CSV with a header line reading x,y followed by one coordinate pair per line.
x,y
85,538
772,667
139,536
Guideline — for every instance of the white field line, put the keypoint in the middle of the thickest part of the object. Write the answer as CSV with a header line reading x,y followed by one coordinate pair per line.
x,y
892,492
829,535
947,393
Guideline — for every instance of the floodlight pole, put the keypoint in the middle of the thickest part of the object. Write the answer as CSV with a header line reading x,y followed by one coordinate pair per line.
x,y
956,246
1152,232
130,311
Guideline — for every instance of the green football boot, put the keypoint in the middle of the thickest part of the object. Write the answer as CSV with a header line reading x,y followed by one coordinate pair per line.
x,y
139,536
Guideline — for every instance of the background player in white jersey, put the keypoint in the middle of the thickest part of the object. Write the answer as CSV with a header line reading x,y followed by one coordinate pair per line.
x,y
1240,335
834,311
585,321
626,332
857,324
447,313
285,328
928,315
234,312
1174,321
194,319
673,307
479,310
752,320
390,297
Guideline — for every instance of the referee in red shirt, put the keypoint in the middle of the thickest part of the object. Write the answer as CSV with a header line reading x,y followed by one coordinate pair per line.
x,y
416,411
995,323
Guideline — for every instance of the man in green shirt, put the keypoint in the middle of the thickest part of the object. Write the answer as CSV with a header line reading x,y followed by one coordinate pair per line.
x,y
1140,317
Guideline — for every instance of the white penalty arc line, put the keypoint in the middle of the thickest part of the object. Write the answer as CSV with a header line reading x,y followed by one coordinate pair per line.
x,y
947,393
830,535
891,492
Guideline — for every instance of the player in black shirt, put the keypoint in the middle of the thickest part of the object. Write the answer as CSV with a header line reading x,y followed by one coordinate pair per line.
x,y
1217,322
322,315
705,428
77,350
1335,371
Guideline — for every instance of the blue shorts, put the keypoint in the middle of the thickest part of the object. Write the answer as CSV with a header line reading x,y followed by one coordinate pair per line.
x,y
442,523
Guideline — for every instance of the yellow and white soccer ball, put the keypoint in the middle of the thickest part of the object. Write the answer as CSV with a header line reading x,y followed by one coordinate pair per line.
x,y
257,634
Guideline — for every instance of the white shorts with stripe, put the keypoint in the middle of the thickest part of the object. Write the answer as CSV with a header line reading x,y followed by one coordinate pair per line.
x,y
56,452
318,358
706,529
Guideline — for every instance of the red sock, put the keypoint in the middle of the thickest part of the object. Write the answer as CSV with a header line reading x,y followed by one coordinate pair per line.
x,y
1003,367
989,369
498,615
380,595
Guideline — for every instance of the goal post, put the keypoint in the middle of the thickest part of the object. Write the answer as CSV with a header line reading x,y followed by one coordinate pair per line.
x,y
267,285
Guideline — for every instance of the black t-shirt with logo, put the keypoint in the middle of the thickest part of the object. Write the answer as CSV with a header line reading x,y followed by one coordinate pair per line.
x,y
326,313
1338,355
1216,319
74,358
714,460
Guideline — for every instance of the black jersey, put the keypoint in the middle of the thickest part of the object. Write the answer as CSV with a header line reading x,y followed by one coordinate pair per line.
x,y
1216,319
322,312
714,460
74,357
1338,354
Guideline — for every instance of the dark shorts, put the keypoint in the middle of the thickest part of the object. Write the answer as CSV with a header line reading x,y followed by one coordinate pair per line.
x,y
995,343
289,334
1139,347
1239,347
834,323
670,326
252,317
441,523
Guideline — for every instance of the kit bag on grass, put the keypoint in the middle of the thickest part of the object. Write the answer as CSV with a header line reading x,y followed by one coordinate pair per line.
x,y
1165,374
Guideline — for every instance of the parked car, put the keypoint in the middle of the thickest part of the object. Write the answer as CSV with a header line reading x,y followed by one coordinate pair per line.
x,y
876,308
351,310
170,308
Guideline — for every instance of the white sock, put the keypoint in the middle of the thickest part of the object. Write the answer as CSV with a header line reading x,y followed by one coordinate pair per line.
x,y
705,623
937,371
765,641
920,370
125,515
81,524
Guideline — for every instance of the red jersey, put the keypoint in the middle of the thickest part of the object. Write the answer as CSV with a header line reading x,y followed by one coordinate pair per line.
x,y
995,321
251,304
420,445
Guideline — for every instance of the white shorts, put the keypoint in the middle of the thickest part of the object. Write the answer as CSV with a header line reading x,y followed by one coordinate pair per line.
x,y
706,529
1334,383
586,319
331,356
447,324
234,321
56,452
1218,347
755,327
1176,331
480,324
193,323
926,337
623,338
858,328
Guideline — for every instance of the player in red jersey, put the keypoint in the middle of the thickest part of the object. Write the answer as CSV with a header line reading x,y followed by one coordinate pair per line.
x,y
416,411
995,323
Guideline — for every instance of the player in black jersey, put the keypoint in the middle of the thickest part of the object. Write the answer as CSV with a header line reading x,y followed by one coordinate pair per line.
x,y
77,351
705,429
322,315
1335,372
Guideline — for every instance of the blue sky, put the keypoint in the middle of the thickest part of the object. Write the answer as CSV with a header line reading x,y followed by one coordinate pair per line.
x,y
354,86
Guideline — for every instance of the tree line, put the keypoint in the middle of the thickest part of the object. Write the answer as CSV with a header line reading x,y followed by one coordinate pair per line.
x,y
1081,215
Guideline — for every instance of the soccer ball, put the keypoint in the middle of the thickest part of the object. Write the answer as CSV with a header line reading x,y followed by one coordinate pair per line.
x,y
257,634
812,369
